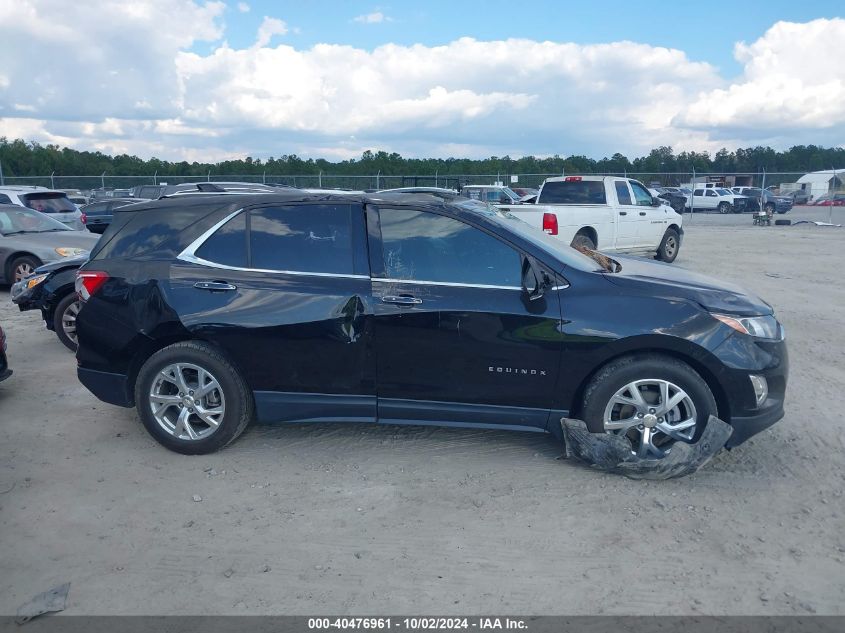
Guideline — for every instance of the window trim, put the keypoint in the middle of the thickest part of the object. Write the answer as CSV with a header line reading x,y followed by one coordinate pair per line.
x,y
189,255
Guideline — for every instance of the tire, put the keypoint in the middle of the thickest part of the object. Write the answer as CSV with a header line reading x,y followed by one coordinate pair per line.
x,y
783,222
647,372
581,240
669,246
782,212
64,320
22,267
229,403
724,207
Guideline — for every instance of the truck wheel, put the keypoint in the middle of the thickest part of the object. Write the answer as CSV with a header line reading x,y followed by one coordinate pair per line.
x,y
669,246
582,240
724,207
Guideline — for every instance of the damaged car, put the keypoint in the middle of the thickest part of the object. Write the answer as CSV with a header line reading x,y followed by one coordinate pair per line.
x,y
411,309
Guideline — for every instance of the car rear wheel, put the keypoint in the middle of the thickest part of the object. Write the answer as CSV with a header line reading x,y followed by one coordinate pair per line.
x,y
653,401
64,320
23,267
669,246
191,399
583,241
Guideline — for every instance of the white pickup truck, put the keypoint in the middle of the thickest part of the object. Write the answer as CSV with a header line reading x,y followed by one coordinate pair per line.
x,y
605,213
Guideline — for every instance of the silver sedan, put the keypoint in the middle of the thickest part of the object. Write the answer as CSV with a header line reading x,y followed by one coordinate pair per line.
x,y
29,239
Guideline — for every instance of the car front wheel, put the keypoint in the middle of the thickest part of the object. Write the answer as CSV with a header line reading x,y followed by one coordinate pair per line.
x,y
654,401
191,399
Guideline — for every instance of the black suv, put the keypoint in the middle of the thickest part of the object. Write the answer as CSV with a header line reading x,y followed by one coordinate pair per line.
x,y
209,311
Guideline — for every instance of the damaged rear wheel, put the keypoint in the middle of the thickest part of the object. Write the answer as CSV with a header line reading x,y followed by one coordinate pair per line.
x,y
653,401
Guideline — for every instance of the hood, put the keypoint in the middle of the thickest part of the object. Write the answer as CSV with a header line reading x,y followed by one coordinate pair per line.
x,y
43,244
643,276
64,262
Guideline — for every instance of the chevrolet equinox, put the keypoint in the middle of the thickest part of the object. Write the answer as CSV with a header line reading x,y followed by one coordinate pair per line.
x,y
207,312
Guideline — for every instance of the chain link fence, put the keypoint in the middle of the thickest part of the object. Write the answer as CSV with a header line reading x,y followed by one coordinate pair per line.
x,y
783,182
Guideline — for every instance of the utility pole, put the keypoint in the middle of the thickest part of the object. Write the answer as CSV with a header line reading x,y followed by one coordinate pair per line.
x,y
155,177
103,180
2,179
52,181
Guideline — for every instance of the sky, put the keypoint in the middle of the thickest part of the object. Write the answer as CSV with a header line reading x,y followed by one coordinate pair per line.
x,y
213,80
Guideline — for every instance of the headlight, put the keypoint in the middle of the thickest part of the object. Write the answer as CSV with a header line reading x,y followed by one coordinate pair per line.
x,y
70,252
758,326
34,281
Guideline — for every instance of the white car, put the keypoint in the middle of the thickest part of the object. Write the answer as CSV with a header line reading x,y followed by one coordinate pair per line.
x,y
718,199
53,202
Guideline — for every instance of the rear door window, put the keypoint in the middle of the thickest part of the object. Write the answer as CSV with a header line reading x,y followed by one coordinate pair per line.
x,y
314,238
423,246
623,194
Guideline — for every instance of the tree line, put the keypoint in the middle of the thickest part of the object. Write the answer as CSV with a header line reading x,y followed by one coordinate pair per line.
x,y
27,158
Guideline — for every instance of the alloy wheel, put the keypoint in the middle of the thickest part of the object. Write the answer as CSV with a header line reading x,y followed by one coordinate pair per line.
x,y
23,270
670,247
651,414
187,401
69,321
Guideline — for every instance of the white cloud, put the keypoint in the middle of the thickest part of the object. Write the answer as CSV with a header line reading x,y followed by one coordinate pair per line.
x,y
147,88
793,78
269,27
243,7
376,17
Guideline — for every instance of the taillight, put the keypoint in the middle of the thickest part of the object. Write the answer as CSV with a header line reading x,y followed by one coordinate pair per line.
x,y
550,223
84,219
572,179
88,282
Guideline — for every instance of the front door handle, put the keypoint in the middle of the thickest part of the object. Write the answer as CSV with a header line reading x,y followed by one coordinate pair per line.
x,y
402,301
642,212
623,213
215,286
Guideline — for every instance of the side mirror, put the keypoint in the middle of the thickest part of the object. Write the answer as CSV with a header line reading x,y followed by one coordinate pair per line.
x,y
534,282
655,201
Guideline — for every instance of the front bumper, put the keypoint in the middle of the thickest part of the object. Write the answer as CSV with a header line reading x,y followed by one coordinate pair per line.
x,y
742,356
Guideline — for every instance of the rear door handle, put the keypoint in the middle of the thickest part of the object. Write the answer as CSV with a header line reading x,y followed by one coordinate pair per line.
x,y
215,286
642,212
623,213
402,301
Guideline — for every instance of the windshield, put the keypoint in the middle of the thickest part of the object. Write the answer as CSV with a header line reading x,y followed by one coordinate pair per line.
x,y
724,192
49,202
561,251
21,220
513,195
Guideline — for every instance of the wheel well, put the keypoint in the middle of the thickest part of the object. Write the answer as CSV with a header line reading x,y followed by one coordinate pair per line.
x,y
674,226
153,346
722,405
589,232
11,258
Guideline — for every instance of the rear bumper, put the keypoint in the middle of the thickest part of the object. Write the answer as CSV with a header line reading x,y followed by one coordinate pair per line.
x,y
108,387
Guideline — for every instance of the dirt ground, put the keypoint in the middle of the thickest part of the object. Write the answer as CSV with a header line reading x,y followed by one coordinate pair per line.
x,y
363,519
